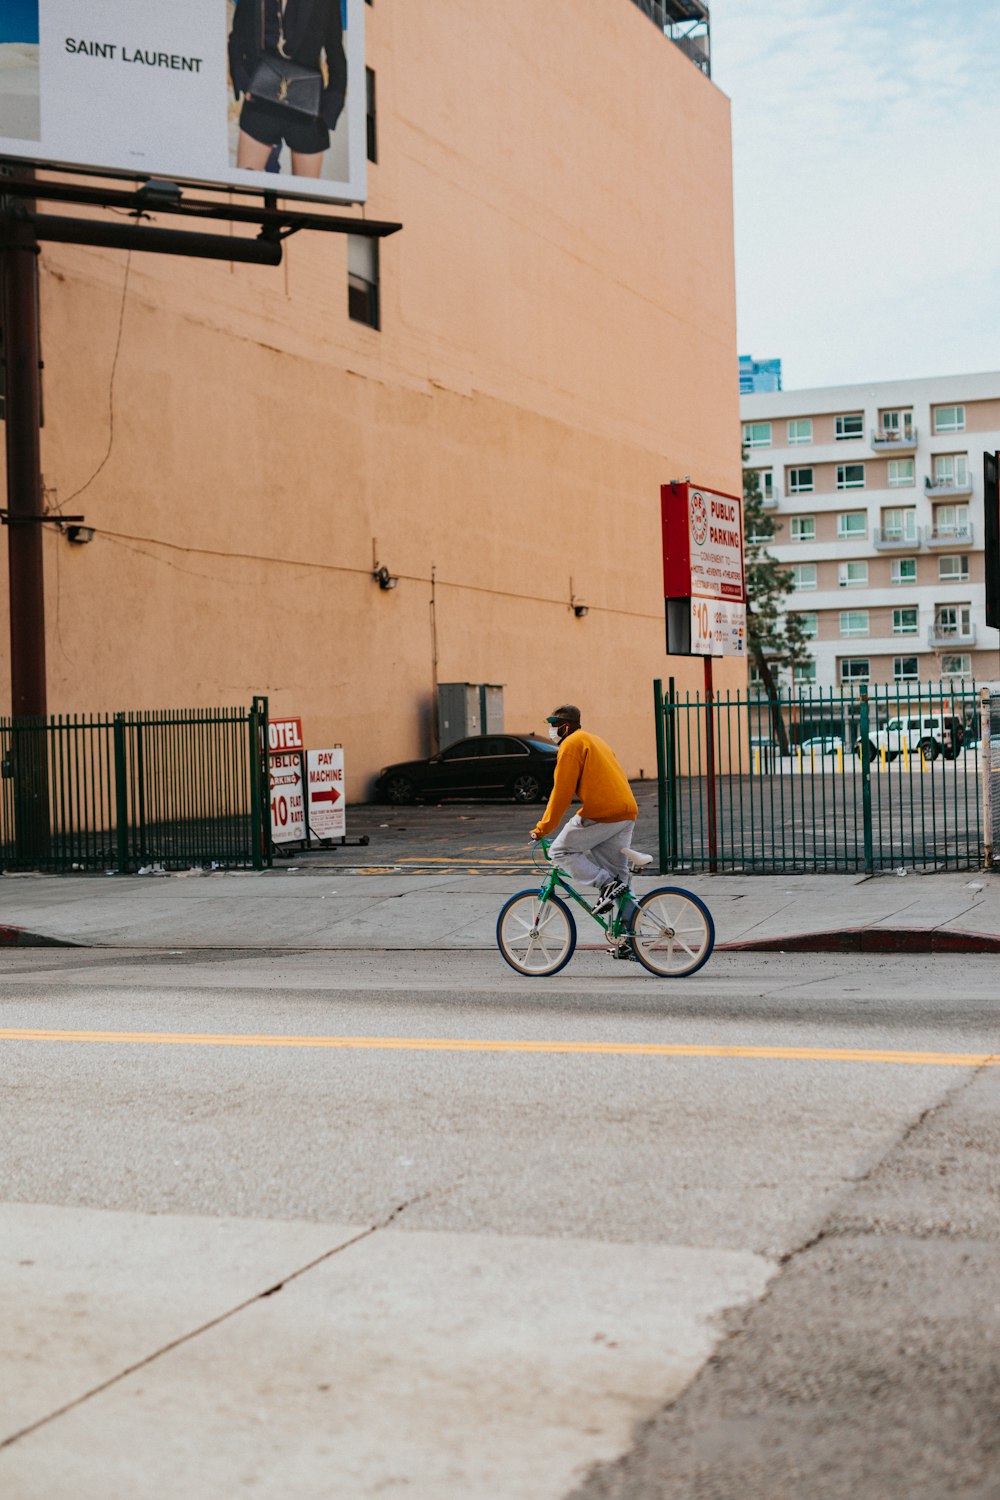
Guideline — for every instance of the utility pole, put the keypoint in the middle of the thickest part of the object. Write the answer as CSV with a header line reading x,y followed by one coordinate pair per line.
x,y
23,398
28,759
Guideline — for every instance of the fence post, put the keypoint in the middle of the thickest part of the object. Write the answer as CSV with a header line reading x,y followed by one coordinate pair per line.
x,y
866,779
661,772
121,794
673,812
985,776
260,801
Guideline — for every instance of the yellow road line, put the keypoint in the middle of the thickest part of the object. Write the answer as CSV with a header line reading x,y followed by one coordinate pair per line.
x,y
473,1044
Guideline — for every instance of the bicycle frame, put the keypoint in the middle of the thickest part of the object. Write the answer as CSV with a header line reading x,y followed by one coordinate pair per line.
x,y
558,880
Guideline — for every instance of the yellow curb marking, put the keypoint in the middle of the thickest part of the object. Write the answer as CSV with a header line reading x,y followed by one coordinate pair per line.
x,y
463,1044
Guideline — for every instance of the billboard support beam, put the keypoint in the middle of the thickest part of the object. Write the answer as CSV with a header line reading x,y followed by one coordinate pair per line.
x,y
141,201
265,250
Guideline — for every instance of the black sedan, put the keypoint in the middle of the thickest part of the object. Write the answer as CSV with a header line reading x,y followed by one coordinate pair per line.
x,y
487,765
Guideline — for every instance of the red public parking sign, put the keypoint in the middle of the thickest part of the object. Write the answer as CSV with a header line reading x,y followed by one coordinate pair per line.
x,y
703,582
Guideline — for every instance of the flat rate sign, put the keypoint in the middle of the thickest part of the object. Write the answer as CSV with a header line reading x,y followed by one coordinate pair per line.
x,y
150,90
703,581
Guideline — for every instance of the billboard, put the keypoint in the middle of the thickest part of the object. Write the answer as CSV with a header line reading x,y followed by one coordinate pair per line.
x,y
259,95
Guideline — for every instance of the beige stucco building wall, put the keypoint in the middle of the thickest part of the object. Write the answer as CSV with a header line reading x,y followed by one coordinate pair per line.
x,y
558,338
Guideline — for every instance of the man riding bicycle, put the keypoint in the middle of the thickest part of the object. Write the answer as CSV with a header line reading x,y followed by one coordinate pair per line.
x,y
594,846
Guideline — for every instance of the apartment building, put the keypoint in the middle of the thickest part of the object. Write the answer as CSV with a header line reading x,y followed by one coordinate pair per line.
x,y
878,492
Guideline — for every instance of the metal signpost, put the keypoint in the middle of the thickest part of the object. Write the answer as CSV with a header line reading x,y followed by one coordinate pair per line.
x,y
704,591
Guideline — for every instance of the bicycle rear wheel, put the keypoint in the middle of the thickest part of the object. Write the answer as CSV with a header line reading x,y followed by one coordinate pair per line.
x,y
536,937
672,932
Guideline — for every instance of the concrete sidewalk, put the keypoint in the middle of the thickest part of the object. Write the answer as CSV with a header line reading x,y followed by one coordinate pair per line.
x,y
286,909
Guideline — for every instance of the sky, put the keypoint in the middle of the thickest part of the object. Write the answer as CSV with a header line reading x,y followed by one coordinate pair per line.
x,y
866,163
18,20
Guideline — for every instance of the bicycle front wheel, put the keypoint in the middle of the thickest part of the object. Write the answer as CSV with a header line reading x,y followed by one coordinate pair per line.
x,y
536,937
672,932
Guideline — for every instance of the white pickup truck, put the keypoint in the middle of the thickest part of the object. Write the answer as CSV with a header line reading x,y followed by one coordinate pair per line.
x,y
931,734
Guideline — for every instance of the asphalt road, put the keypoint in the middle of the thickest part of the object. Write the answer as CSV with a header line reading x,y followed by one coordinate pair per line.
x,y
353,1225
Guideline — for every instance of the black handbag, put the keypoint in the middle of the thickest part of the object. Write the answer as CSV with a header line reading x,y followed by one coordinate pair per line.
x,y
285,84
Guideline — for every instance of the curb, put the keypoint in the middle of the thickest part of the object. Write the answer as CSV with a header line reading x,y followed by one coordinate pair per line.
x,y
20,937
870,940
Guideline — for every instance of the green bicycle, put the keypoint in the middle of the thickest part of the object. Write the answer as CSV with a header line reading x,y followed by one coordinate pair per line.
x,y
669,930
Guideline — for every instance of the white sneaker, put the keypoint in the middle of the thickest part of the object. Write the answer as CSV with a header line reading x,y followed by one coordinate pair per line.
x,y
610,892
638,860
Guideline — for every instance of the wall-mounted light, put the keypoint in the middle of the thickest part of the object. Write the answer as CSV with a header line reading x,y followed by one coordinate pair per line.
x,y
578,609
79,534
384,578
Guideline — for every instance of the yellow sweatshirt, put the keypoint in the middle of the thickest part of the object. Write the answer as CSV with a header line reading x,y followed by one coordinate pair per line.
x,y
587,768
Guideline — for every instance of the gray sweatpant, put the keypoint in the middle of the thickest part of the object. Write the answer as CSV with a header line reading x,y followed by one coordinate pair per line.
x,y
593,853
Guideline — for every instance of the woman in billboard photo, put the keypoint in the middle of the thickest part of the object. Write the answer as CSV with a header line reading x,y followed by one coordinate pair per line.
x,y
286,60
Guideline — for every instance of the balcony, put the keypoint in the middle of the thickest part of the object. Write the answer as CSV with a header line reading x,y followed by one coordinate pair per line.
x,y
948,637
895,442
687,24
947,489
769,502
891,540
950,536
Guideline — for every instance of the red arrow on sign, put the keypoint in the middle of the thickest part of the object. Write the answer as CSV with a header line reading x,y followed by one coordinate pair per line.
x,y
331,795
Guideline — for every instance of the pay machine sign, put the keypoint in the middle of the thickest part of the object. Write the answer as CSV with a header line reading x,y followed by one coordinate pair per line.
x,y
325,791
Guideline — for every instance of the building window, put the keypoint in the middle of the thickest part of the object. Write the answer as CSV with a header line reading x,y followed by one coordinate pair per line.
x,y
756,434
803,528
758,538
371,132
803,576
854,575
800,481
905,668
809,625
800,431
904,621
804,673
363,280
956,666
904,570
852,425
953,569
951,520
951,468
899,524
850,476
855,669
893,425
952,619
949,418
852,524
854,622
900,473
765,481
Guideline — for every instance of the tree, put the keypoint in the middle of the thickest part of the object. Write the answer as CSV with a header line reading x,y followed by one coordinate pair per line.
x,y
775,637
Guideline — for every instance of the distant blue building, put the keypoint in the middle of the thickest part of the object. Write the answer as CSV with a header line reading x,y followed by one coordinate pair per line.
x,y
759,374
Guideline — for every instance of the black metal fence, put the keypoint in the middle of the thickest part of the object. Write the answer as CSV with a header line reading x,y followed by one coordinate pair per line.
x,y
168,789
880,779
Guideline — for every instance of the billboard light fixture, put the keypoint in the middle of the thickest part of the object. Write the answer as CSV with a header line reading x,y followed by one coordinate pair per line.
x,y
384,578
79,534
156,192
